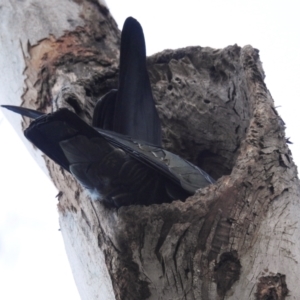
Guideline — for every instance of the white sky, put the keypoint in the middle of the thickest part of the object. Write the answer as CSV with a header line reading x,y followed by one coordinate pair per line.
x,y
33,264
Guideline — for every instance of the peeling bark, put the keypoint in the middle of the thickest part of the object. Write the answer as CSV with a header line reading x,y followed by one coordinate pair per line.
x,y
236,239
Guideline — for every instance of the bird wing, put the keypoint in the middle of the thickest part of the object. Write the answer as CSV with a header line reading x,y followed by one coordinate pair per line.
x,y
50,132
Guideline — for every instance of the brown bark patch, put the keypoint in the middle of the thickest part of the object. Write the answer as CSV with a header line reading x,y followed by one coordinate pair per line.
x,y
89,51
272,288
227,272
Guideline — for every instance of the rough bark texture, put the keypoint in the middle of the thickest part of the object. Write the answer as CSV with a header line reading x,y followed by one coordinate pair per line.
x,y
236,239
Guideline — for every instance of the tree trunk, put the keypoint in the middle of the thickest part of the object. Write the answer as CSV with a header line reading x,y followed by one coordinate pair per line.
x,y
235,239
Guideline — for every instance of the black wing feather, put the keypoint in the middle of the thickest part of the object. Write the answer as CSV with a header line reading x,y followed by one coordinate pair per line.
x,y
49,130
27,112
104,111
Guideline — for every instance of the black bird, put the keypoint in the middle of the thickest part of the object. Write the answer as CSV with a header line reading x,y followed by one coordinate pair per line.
x,y
120,159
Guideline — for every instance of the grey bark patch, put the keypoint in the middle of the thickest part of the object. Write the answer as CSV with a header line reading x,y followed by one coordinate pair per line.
x,y
272,288
227,272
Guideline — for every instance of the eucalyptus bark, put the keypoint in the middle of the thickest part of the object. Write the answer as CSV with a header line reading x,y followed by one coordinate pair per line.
x,y
235,239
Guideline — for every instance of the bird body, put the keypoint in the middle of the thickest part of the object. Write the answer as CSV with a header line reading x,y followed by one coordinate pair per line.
x,y
120,159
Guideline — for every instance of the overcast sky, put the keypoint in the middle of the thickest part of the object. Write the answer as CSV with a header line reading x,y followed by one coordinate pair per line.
x,y
33,264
